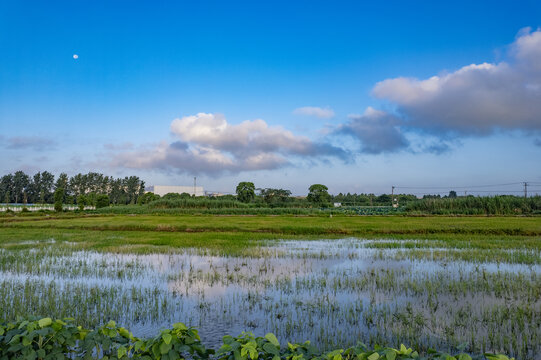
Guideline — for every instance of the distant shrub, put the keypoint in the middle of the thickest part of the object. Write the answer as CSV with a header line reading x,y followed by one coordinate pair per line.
x,y
476,205
195,203
102,201
58,199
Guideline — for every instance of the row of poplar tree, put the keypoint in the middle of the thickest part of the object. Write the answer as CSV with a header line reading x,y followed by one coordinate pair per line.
x,y
40,188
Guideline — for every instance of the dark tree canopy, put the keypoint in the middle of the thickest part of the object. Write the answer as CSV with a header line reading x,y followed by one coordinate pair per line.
x,y
40,188
21,182
102,201
58,199
318,194
245,191
275,197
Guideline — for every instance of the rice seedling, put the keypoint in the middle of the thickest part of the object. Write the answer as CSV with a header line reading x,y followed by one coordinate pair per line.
x,y
471,284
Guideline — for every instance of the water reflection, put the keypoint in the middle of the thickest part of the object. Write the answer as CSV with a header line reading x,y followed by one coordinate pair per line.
x,y
332,292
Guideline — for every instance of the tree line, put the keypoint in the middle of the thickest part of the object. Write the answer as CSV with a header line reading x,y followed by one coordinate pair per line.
x,y
80,189
318,195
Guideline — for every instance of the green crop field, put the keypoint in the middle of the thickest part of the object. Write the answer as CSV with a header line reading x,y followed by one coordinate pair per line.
x,y
428,282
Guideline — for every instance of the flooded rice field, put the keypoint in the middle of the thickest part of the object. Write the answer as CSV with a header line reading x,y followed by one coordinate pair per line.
x,y
334,293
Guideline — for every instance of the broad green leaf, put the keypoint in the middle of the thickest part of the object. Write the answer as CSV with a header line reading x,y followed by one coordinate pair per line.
x,y
164,348
227,339
167,338
23,324
124,332
225,348
156,350
122,351
31,355
138,345
272,339
173,355
26,341
15,339
180,326
45,322
271,349
390,354
374,356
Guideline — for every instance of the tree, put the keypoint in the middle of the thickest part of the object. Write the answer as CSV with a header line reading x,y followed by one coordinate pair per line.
x,y
245,191
452,194
384,199
58,199
185,196
33,193
62,183
117,192
6,188
318,194
275,197
20,185
46,187
81,201
102,201
173,196
133,186
147,197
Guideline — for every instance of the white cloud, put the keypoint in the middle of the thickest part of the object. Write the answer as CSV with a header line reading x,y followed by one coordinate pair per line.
x,y
251,136
209,144
323,113
527,48
476,99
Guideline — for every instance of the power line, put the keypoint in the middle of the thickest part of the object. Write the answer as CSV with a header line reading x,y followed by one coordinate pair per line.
x,y
456,187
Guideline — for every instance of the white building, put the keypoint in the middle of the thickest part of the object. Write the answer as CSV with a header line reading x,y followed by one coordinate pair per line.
x,y
166,189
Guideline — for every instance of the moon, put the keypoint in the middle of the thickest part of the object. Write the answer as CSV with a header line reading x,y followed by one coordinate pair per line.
x,y
75,56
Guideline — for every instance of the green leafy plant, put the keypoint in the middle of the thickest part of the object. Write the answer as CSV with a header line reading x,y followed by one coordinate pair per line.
x,y
47,338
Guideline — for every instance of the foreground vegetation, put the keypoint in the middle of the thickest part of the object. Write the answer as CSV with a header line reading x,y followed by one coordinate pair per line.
x,y
48,338
456,284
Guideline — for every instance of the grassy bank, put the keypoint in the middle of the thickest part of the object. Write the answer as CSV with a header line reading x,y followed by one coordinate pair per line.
x,y
232,234
287,225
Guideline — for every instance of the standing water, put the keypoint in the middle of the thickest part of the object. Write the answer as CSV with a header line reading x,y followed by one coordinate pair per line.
x,y
333,292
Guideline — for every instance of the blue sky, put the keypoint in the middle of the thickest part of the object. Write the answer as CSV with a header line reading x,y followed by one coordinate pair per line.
x,y
284,94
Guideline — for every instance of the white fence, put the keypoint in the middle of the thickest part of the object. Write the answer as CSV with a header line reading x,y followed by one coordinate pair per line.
x,y
38,207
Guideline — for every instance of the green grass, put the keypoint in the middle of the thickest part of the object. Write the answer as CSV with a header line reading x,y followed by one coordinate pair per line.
x,y
232,234
292,225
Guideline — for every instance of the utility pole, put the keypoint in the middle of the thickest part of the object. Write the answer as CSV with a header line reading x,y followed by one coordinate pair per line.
x,y
394,203
525,189
194,183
